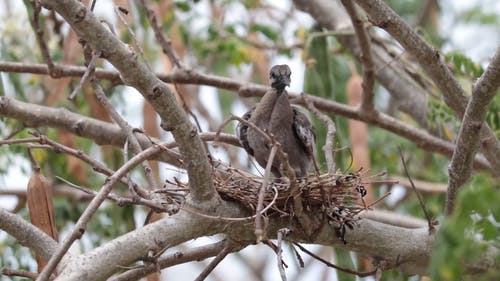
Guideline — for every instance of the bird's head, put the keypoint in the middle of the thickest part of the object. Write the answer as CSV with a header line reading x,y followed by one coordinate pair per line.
x,y
279,77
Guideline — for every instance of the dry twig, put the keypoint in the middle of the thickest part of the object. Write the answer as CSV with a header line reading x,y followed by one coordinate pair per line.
x,y
281,233
223,253
329,264
165,43
90,70
35,21
119,11
430,222
330,134
131,135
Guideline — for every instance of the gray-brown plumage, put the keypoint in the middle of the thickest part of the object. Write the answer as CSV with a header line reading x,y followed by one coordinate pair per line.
x,y
290,127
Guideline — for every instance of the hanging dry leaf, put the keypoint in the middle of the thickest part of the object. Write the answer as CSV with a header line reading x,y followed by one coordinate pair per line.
x,y
41,208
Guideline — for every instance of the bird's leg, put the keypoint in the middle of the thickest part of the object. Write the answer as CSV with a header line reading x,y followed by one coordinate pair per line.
x,y
315,163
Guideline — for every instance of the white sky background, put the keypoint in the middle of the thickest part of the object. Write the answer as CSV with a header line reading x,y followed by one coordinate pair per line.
x,y
478,42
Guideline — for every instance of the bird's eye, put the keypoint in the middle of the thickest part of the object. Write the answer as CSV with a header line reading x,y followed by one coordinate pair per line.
x,y
273,75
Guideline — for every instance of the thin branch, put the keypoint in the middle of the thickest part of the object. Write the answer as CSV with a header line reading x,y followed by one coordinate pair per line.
x,y
367,104
393,218
282,232
14,132
330,133
430,223
259,232
92,5
468,139
96,165
223,253
423,186
86,75
165,43
116,198
177,257
315,35
18,273
131,135
34,163
329,264
18,141
35,21
118,12
269,46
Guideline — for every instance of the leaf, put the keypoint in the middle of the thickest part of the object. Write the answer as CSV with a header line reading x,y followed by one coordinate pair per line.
x,y
41,208
183,6
464,64
266,30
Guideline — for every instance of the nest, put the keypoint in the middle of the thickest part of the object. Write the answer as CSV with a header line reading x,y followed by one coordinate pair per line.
x,y
339,197
315,191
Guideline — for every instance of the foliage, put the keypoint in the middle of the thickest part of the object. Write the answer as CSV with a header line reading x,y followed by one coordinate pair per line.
x,y
464,238
463,64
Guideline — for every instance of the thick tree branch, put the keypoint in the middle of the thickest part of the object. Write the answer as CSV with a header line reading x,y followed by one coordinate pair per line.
x,y
430,60
410,249
393,218
468,140
102,262
28,235
137,75
101,132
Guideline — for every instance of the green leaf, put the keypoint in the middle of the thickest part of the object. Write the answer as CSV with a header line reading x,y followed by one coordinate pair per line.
x,y
463,64
183,6
266,30
465,236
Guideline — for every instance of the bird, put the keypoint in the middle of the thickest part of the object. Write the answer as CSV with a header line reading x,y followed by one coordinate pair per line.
x,y
288,125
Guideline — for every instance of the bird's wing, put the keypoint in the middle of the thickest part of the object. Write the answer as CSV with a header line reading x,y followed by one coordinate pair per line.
x,y
304,130
243,130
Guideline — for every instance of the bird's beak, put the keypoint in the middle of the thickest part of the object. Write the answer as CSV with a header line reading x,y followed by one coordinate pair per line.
x,y
286,81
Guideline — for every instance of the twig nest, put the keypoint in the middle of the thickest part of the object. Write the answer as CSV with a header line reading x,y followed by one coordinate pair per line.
x,y
324,192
